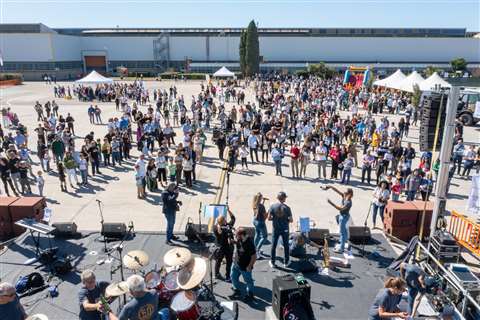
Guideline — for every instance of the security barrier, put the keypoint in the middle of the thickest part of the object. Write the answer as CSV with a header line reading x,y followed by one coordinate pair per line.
x,y
466,231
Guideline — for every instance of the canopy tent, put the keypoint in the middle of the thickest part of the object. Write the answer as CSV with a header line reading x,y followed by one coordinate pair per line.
x,y
223,72
433,82
410,81
94,77
391,81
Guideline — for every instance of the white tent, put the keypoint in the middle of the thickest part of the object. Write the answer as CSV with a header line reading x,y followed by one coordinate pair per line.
x,y
433,82
223,72
391,81
94,77
408,83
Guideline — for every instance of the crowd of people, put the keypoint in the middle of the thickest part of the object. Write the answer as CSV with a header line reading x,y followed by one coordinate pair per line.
x,y
311,122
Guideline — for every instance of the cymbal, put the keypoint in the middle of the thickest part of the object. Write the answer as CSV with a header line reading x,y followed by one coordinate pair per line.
x,y
116,289
37,316
136,259
177,257
192,274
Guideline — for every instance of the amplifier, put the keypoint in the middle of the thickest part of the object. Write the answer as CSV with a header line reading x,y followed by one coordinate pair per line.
x,y
318,235
114,230
282,286
359,234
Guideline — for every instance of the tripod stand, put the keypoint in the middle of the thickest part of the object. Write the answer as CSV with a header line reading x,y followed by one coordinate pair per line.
x,y
119,249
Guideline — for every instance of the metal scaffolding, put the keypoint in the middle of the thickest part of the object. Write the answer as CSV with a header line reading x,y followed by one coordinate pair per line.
x,y
161,52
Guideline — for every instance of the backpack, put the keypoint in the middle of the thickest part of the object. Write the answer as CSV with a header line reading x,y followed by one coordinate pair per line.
x,y
31,281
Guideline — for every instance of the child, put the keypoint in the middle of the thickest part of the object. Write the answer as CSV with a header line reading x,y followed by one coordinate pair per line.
x,y
83,167
46,161
40,183
243,152
347,168
172,170
397,187
61,176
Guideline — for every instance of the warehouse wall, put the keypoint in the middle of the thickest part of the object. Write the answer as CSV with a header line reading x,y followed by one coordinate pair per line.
x,y
121,48
66,48
35,47
369,49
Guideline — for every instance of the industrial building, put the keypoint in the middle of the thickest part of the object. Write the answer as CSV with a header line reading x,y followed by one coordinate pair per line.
x,y
35,49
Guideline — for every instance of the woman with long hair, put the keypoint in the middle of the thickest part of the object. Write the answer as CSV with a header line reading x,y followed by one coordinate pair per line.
x,y
385,305
259,217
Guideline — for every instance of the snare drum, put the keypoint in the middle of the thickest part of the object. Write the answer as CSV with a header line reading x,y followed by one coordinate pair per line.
x,y
185,305
168,286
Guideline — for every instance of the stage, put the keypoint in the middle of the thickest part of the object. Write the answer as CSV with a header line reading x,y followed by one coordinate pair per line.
x,y
343,294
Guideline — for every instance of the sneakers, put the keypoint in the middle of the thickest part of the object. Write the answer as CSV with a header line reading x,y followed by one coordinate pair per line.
x,y
272,264
174,238
249,297
285,265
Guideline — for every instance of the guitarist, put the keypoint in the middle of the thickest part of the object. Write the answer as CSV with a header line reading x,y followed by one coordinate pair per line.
x,y
89,296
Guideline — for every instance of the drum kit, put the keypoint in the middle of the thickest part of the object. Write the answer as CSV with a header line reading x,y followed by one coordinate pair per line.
x,y
179,284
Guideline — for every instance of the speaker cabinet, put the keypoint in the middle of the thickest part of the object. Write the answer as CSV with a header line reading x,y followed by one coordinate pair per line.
x,y
114,230
282,287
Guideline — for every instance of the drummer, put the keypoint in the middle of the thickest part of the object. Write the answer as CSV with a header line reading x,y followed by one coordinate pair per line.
x,y
89,296
10,306
143,306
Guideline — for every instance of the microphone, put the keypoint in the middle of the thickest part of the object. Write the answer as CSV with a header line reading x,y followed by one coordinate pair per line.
x,y
98,200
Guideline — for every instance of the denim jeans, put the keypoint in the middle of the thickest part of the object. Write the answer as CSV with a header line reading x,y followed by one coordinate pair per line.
x,y
346,176
275,236
170,224
278,167
84,175
247,276
411,195
260,234
116,158
377,209
412,293
342,222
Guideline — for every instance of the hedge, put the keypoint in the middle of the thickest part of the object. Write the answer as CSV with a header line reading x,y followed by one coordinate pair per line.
x,y
188,76
11,76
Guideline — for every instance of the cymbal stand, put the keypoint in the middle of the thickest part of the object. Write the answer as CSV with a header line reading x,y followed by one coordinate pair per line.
x,y
119,248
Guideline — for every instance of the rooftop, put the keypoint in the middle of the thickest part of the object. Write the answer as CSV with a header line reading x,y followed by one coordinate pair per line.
x,y
314,32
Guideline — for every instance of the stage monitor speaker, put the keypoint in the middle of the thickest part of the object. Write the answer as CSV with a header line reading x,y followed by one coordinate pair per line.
x,y
65,229
195,231
359,234
282,286
318,235
114,230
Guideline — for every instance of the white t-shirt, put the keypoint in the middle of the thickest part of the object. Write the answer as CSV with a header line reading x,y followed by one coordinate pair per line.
x,y
321,153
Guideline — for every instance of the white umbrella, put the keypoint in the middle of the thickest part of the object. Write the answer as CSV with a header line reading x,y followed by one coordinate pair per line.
x,y
391,81
94,77
409,82
433,82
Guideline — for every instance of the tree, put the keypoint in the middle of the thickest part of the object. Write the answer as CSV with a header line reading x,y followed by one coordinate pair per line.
x,y
242,51
458,64
252,50
429,70
321,70
417,94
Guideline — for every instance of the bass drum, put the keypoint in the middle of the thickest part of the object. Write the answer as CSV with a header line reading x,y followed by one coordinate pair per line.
x,y
185,306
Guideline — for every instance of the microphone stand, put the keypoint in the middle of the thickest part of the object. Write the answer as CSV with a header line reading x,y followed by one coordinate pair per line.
x,y
365,229
101,223
119,249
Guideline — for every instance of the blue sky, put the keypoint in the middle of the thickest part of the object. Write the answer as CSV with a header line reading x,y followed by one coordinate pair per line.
x,y
237,13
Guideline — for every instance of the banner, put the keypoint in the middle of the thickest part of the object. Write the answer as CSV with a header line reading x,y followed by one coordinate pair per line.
x,y
473,204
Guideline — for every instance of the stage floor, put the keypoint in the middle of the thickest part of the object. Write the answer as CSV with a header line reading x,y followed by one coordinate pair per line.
x,y
345,294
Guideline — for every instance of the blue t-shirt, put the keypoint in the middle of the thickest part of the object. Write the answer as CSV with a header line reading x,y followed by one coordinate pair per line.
x,y
144,308
93,296
281,215
12,310
386,299
347,204
412,272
